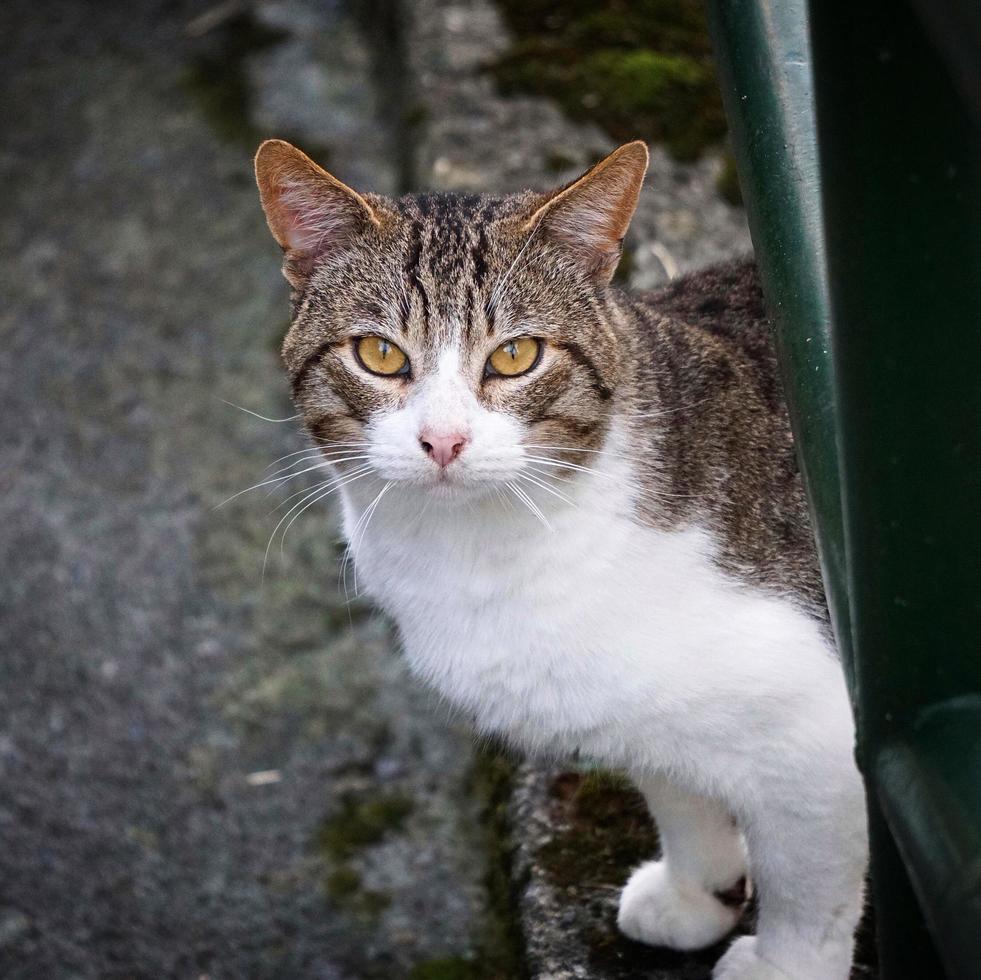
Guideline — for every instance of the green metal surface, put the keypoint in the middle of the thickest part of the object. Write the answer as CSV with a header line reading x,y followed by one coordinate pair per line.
x,y
763,60
900,154
877,253
930,791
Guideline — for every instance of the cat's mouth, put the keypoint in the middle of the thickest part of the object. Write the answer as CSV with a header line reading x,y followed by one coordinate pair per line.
x,y
453,480
458,483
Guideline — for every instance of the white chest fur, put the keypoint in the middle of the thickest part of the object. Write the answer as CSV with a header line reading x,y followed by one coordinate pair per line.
x,y
599,633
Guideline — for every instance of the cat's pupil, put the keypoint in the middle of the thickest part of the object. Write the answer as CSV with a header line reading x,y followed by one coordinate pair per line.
x,y
383,348
511,348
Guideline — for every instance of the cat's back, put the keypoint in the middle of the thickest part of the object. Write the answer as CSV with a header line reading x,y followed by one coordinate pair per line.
x,y
718,318
709,404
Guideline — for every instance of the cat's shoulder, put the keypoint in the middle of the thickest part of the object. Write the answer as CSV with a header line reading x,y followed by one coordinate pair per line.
x,y
727,298
710,321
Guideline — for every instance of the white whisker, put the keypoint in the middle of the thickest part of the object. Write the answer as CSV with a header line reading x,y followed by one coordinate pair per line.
x,y
529,503
336,485
548,461
326,445
303,503
540,482
562,464
369,513
353,543
511,488
329,459
595,452
502,496
319,486
306,493
283,479
628,414
265,418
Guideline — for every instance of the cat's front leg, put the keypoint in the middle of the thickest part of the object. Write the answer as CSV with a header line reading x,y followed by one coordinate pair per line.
x,y
803,817
692,896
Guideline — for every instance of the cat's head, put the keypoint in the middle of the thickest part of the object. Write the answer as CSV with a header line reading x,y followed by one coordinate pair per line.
x,y
452,338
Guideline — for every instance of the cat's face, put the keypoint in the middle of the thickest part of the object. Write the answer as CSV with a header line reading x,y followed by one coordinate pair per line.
x,y
455,341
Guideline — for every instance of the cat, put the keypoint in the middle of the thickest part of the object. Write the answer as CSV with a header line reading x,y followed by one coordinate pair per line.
x,y
583,511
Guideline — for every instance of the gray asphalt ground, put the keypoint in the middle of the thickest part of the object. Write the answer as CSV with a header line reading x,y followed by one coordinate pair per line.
x,y
147,673
205,773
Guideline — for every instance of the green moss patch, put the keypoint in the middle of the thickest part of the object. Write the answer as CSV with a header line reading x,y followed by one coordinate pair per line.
x,y
606,831
449,968
373,903
361,823
500,945
346,890
639,68
343,883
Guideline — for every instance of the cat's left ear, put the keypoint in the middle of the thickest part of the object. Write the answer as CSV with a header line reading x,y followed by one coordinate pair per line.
x,y
309,211
591,215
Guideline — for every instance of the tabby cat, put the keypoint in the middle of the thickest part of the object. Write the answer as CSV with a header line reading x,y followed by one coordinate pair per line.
x,y
584,513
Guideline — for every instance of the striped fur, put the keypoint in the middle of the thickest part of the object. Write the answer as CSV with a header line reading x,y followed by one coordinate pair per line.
x,y
663,611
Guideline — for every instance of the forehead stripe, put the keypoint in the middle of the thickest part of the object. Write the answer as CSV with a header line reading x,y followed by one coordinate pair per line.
x,y
411,268
479,257
468,313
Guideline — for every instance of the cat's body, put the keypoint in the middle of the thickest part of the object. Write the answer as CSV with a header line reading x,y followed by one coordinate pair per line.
x,y
607,551
645,568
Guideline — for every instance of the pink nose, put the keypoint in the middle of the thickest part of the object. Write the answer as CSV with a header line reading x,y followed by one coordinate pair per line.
x,y
442,449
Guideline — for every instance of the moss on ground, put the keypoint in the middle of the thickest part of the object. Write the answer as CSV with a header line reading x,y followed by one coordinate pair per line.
x,y
360,823
373,903
498,947
345,888
448,968
605,832
638,68
365,818
343,883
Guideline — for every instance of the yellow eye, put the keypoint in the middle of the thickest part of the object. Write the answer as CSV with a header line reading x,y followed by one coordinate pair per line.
x,y
515,357
380,356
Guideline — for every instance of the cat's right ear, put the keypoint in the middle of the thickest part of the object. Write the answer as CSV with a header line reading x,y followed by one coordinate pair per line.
x,y
309,211
590,216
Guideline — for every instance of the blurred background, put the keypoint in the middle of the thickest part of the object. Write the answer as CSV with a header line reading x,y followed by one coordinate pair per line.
x,y
206,771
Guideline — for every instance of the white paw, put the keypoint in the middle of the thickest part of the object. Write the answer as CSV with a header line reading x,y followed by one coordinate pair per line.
x,y
741,962
654,909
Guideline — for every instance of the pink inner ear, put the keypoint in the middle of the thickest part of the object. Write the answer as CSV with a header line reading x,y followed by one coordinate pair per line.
x,y
590,226
311,217
592,214
595,218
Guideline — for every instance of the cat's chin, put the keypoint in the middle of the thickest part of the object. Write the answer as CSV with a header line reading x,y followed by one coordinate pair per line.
x,y
451,490
456,490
